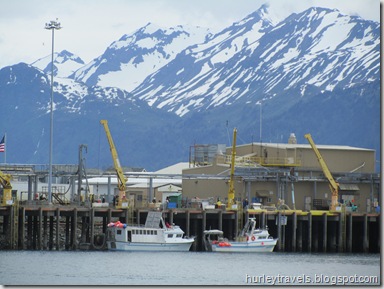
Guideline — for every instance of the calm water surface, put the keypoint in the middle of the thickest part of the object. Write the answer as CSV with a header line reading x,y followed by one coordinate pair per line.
x,y
187,268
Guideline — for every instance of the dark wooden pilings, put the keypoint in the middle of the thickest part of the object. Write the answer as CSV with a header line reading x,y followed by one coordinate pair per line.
x,y
294,231
365,234
64,228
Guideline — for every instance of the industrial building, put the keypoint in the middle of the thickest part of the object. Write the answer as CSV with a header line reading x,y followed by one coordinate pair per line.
x,y
269,173
265,173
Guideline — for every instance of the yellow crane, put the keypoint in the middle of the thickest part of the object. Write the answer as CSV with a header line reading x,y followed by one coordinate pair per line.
x,y
121,179
5,181
231,190
333,185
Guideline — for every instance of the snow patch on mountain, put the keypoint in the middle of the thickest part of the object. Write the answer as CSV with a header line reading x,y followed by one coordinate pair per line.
x,y
65,63
139,54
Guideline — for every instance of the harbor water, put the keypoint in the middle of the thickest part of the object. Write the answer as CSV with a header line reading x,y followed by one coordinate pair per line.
x,y
186,268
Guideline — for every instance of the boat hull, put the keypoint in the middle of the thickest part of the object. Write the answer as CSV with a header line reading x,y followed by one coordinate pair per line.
x,y
246,247
150,247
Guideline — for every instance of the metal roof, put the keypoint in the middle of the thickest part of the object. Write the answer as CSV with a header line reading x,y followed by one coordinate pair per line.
x,y
306,146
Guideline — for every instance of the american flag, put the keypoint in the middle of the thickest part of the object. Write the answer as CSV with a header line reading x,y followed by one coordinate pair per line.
x,y
2,144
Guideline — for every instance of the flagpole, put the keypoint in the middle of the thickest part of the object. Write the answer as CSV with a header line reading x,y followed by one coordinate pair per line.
x,y
5,148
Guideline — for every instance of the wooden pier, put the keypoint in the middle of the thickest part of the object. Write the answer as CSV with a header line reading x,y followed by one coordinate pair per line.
x,y
76,228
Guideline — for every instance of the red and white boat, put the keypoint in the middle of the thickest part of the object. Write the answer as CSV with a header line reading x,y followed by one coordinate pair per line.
x,y
251,240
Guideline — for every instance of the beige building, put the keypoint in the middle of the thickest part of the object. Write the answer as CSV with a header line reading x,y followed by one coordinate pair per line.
x,y
267,172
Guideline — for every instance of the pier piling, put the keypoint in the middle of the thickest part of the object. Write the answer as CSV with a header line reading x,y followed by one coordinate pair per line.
x,y
65,228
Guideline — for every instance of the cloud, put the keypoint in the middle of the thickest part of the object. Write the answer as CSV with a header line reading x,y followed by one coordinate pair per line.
x,y
89,26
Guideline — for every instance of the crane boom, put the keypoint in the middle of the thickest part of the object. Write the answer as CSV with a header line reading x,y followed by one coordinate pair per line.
x,y
333,185
121,179
5,181
231,190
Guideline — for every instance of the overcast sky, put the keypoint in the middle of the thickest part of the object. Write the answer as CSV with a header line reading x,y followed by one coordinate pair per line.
x,y
90,26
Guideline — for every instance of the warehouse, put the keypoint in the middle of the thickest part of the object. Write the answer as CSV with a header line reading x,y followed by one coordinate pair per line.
x,y
268,172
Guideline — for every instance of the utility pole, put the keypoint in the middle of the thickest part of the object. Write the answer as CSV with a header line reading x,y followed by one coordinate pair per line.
x,y
52,25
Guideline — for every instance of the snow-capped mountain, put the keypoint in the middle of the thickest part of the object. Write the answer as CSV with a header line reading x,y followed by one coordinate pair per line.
x,y
317,50
128,61
164,89
64,63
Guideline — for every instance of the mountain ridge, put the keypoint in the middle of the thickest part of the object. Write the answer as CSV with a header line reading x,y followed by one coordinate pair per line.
x,y
196,91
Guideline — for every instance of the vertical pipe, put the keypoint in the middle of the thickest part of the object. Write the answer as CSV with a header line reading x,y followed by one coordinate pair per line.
x,y
109,190
325,232
73,184
294,228
151,194
29,188
138,217
35,187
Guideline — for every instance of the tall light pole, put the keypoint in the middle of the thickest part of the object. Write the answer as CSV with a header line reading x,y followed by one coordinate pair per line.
x,y
52,25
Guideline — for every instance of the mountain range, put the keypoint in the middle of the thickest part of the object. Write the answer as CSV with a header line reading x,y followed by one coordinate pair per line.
x,y
163,90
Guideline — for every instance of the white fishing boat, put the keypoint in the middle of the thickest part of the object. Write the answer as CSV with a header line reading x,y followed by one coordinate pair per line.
x,y
155,235
251,240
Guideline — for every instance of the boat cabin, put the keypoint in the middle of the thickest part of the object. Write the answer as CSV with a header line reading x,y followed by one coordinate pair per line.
x,y
155,230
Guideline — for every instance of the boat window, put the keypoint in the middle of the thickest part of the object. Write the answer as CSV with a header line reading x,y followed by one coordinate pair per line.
x,y
178,235
145,232
154,232
141,232
170,235
118,232
262,237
